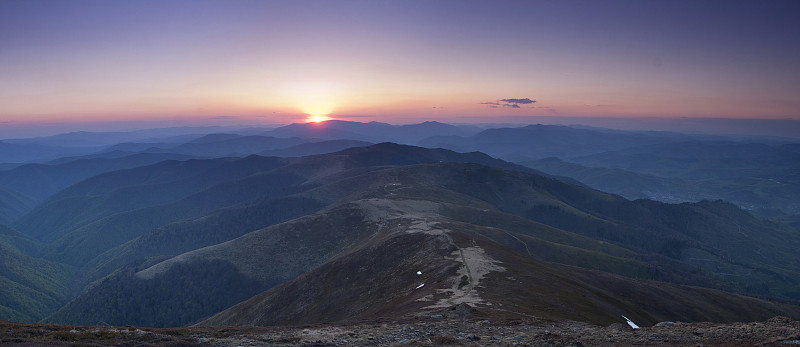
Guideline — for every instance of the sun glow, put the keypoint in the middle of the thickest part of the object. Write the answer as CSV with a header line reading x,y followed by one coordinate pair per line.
x,y
317,99
317,118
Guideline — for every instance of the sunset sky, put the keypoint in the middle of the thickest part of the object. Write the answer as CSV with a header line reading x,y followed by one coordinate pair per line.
x,y
396,61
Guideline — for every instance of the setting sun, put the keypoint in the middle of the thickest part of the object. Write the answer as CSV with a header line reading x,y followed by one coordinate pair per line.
x,y
317,118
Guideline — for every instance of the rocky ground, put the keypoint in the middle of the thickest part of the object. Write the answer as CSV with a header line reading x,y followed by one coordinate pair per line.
x,y
434,330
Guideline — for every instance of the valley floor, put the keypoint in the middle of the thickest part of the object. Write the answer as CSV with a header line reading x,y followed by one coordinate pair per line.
x,y
433,330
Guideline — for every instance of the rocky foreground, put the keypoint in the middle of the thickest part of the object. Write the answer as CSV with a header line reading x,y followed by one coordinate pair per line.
x,y
778,331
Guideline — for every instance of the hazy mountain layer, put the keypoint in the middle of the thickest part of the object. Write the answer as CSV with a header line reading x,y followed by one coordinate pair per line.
x,y
32,152
754,176
542,141
372,131
668,167
699,160
755,193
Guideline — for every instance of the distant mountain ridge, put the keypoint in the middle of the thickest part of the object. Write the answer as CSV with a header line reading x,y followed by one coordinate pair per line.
x,y
312,148
541,141
754,176
23,153
39,181
372,131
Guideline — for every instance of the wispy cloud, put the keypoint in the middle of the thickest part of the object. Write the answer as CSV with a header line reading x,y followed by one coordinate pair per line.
x,y
518,101
510,102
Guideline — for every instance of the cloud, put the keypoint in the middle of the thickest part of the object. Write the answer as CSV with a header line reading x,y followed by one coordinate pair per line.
x,y
518,101
511,102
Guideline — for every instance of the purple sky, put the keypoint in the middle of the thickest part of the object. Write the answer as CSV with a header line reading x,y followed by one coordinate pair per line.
x,y
268,62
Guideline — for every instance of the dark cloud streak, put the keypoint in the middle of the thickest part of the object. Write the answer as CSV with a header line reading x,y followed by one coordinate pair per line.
x,y
518,101
511,102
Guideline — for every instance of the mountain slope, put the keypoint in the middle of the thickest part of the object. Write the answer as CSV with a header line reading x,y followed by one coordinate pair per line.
x,y
629,184
699,159
755,176
30,288
752,175
135,201
522,221
388,153
13,205
715,236
381,280
84,243
288,249
542,141
40,181
186,235
312,148
18,240
219,145
126,190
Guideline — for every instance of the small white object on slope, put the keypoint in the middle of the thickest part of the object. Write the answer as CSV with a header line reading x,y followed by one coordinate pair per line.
x,y
632,324
420,286
419,272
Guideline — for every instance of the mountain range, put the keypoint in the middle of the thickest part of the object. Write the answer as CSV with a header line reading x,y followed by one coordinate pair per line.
x,y
296,225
